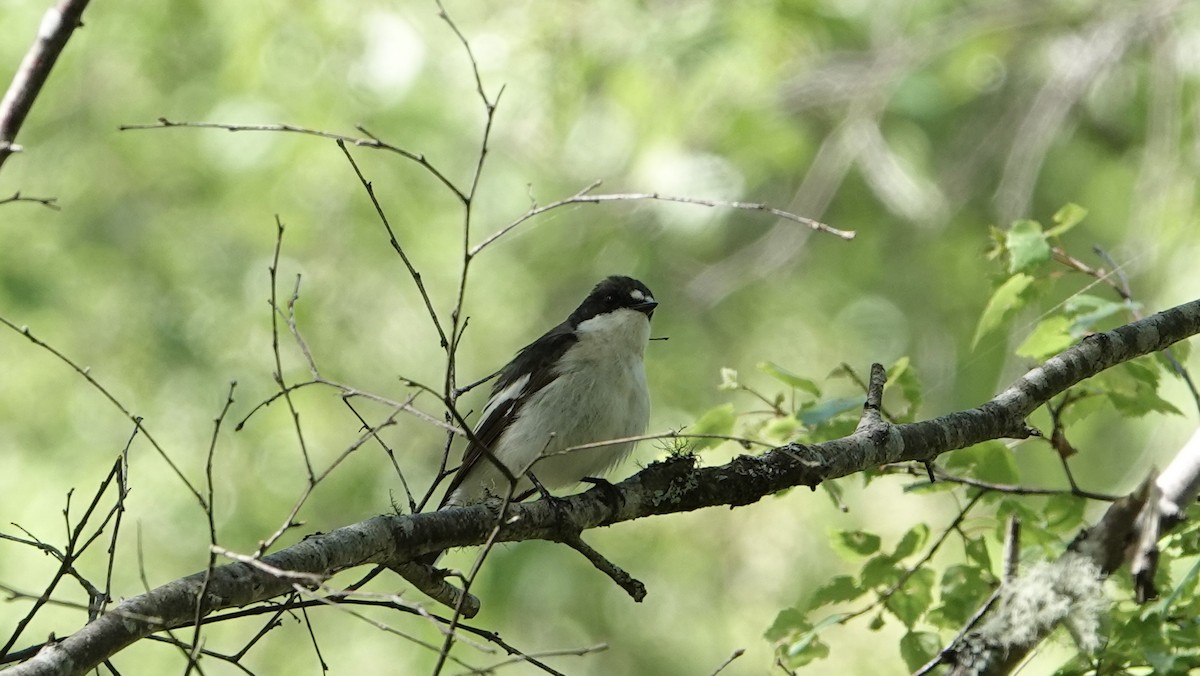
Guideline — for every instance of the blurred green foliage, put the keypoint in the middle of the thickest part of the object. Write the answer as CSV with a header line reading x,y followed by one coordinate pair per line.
x,y
920,126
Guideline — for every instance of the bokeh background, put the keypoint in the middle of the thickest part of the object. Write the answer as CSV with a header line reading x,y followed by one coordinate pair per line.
x,y
918,125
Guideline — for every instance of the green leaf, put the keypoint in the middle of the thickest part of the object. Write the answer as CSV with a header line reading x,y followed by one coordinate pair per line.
x,y
1142,372
788,378
781,428
718,420
1081,408
833,428
902,375
917,648
1069,216
833,489
1179,350
910,602
962,589
827,410
977,551
988,461
1145,402
838,589
1063,513
789,621
1187,584
1133,389
996,238
1004,302
804,644
1087,310
912,540
1027,246
851,544
1049,338
806,651
880,572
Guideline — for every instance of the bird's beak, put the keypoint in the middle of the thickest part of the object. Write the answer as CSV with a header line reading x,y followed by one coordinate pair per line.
x,y
647,308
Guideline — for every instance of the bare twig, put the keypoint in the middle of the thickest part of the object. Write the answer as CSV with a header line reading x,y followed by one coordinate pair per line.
x,y
1013,489
584,197
85,372
194,652
290,522
50,202
412,271
729,660
371,142
122,493
276,312
631,585
75,546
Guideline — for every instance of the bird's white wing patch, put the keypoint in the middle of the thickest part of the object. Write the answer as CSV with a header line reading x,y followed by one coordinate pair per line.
x,y
510,393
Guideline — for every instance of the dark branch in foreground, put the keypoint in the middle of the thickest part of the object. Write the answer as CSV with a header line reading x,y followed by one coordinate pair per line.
x,y
674,485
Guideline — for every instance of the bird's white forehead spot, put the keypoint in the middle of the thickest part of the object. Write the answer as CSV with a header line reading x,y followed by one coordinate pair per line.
x,y
637,294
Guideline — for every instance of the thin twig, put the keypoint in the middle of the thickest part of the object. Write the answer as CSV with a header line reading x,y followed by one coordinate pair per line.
x,y
522,659
290,522
85,372
122,493
276,313
1013,489
412,503
631,585
385,601
412,271
583,197
372,142
202,592
75,546
469,579
896,586
458,323
50,202
729,660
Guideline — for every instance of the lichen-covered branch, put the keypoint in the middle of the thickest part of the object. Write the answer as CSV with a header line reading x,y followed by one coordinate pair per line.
x,y
1068,591
674,485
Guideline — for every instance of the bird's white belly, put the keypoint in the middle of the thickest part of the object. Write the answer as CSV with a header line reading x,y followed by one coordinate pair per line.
x,y
620,410
599,394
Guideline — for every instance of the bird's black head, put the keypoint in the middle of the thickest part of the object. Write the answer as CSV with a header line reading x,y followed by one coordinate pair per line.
x,y
613,294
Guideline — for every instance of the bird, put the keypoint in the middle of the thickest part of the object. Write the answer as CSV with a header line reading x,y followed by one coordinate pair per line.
x,y
582,382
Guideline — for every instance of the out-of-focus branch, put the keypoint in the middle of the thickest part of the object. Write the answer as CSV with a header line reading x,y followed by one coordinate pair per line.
x,y
1067,590
57,25
48,202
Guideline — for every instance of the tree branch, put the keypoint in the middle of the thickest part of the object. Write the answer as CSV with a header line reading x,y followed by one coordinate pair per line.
x,y
674,485
57,25
1128,531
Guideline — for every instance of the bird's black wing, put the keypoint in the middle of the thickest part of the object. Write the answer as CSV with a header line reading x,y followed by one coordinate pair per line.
x,y
509,394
